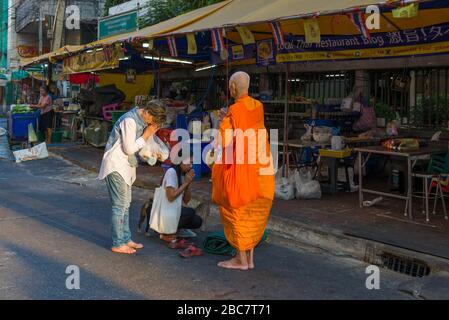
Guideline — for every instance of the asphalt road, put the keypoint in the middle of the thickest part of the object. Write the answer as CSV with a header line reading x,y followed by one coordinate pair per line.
x,y
54,214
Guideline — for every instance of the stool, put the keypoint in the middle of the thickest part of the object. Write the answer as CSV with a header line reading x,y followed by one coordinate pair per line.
x,y
333,164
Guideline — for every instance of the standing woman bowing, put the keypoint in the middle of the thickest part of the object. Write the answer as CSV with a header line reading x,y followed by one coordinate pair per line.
x,y
119,164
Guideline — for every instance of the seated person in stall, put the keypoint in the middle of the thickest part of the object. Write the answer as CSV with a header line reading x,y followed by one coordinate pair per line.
x,y
45,104
178,180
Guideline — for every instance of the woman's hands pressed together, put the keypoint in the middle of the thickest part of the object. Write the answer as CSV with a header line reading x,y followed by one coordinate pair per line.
x,y
150,130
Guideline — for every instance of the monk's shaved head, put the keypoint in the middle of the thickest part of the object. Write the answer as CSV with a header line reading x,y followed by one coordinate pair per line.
x,y
239,83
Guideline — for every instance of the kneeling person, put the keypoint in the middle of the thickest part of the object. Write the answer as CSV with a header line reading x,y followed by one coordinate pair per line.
x,y
178,180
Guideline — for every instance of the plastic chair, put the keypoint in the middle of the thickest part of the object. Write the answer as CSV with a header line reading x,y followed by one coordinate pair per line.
x,y
433,178
439,164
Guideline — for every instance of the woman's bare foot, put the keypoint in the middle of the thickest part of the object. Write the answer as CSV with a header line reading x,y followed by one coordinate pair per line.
x,y
134,245
123,249
235,264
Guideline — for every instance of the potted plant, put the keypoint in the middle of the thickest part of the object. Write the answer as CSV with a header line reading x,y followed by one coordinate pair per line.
x,y
384,114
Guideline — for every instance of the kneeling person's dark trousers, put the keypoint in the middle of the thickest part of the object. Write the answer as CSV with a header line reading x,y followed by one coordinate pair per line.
x,y
189,219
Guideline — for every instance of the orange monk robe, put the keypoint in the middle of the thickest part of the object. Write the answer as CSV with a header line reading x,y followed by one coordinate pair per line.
x,y
243,192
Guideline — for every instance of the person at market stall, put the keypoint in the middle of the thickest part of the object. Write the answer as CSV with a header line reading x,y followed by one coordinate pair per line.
x,y
53,92
244,191
45,104
118,168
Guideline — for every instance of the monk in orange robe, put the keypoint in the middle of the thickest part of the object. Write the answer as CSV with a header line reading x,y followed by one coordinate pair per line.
x,y
243,180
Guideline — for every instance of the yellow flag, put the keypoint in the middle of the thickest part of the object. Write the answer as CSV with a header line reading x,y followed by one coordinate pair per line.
x,y
312,31
150,44
191,44
409,11
246,35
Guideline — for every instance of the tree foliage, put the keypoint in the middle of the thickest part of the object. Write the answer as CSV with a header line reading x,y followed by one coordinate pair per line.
x,y
110,3
161,10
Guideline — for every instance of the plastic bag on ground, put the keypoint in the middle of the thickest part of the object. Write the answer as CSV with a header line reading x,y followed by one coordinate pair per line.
x,y
306,187
37,152
32,137
285,188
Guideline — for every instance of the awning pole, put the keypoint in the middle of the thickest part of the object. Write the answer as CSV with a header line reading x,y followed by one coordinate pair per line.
x,y
285,159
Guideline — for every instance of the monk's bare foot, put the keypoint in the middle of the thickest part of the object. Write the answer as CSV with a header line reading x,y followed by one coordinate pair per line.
x,y
134,245
250,255
234,264
123,249
251,265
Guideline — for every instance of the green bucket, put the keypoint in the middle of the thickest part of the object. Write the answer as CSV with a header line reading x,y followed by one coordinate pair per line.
x,y
56,136
116,115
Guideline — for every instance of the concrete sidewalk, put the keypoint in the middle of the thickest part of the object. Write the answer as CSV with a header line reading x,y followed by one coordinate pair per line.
x,y
334,223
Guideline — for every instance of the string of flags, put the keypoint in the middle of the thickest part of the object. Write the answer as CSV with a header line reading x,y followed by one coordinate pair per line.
x,y
312,31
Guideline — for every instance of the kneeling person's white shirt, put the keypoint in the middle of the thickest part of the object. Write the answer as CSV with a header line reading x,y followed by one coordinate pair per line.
x,y
116,158
171,179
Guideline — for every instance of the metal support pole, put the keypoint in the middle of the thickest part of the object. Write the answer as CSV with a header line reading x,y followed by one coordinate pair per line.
x,y
285,159
40,30
360,179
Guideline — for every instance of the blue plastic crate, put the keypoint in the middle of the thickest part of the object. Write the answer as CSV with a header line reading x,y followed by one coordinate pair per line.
x,y
20,124
320,122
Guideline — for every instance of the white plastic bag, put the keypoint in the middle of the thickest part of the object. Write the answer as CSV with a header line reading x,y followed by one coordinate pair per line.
x,y
285,188
37,152
306,187
165,215
154,150
346,104
308,135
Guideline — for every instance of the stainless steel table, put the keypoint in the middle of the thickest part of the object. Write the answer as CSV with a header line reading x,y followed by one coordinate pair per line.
x,y
410,156
297,143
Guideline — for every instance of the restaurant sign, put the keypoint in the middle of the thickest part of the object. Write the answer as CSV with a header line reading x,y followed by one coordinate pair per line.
x,y
30,51
422,41
98,59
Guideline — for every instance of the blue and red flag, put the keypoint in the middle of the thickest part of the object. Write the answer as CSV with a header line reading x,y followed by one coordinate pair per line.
x,y
359,20
277,33
172,46
217,40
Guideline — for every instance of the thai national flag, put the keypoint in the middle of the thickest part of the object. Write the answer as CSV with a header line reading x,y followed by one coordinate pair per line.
x,y
277,33
358,19
172,46
217,40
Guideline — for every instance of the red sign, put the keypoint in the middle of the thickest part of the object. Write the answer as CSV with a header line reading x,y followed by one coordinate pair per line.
x,y
30,51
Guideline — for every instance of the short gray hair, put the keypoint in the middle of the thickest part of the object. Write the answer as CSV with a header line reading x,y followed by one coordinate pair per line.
x,y
157,109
